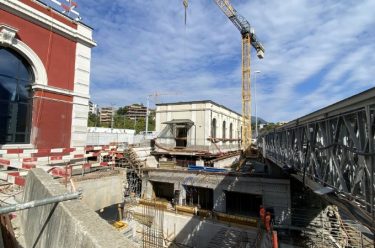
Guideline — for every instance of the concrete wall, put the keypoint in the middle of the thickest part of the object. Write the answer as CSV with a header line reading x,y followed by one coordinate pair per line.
x,y
69,224
192,231
102,190
275,192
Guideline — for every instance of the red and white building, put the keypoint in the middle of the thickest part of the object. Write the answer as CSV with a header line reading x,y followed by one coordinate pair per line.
x,y
44,77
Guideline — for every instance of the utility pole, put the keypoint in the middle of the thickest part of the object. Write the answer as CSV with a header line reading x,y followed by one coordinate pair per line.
x,y
255,100
112,115
147,113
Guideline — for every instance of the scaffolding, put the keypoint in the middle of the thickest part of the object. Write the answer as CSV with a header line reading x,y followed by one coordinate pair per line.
x,y
152,232
133,166
325,228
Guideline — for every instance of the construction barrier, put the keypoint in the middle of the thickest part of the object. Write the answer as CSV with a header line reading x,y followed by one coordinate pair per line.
x,y
59,162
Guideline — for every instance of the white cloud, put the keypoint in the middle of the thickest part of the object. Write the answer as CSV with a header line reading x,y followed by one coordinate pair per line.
x,y
317,52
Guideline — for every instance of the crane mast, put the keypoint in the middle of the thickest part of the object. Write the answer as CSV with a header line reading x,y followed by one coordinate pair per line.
x,y
248,39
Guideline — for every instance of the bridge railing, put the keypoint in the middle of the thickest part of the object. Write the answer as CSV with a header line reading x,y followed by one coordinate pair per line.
x,y
334,147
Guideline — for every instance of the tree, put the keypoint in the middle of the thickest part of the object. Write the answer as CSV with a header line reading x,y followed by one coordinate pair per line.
x,y
270,126
93,120
122,111
139,124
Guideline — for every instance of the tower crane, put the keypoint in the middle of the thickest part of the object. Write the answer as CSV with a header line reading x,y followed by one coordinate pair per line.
x,y
248,39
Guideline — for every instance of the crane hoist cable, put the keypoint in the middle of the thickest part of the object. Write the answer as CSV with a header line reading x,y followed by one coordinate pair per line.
x,y
186,4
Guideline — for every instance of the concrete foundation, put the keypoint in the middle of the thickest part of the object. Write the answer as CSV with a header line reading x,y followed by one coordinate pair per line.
x,y
66,224
192,231
275,192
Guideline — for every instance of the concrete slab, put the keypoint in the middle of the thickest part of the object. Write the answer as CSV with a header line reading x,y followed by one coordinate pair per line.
x,y
66,224
193,231
275,192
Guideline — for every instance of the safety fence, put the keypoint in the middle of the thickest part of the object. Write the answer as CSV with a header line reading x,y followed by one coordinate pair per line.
x,y
100,138
59,162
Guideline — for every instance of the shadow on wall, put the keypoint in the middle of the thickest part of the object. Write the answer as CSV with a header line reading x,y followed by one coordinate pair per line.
x,y
66,224
214,205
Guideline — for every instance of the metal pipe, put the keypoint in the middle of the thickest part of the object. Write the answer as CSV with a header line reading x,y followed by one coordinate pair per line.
x,y
255,101
147,107
42,202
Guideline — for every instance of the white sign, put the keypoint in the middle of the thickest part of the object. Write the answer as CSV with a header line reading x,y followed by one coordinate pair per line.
x,y
69,7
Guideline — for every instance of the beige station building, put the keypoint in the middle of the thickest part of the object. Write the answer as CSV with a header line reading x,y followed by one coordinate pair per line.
x,y
198,125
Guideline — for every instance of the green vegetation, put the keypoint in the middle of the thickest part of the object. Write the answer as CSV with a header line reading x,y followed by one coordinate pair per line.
x,y
122,111
270,126
93,120
122,122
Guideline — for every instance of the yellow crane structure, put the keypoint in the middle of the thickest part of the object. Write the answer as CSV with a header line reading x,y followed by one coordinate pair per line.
x,y
248,39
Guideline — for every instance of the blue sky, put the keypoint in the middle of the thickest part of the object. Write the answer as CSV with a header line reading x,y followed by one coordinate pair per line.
x,y
317,52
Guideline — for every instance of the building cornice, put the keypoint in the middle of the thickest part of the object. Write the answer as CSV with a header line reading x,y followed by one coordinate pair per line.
x,y
197,102
22,10
59,91
238,117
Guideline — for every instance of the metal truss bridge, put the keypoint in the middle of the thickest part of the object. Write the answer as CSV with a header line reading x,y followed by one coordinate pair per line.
x,y
331,151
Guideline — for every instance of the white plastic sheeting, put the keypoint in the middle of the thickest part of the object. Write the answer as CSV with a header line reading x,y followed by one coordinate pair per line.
x,y
105,136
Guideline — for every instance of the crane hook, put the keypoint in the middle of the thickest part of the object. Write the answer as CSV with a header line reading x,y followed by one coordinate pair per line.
x,y
186,4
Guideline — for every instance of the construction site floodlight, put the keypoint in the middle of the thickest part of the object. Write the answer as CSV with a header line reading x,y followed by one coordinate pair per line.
x,y
259,48
260,54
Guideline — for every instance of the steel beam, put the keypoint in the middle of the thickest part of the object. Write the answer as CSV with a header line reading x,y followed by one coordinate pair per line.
x,y
334,146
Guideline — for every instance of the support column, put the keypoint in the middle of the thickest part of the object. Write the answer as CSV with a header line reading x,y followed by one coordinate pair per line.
x,y
219,200
147,189
182,193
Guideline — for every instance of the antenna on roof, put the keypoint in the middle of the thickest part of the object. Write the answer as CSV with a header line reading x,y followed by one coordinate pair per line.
x,y
69,8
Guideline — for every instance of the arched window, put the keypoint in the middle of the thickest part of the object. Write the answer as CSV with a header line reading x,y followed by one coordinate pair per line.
x,y
231,132
213,128
224,130
16,78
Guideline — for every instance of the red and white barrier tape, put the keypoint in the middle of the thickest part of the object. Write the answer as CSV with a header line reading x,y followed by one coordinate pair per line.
x,y
26,159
